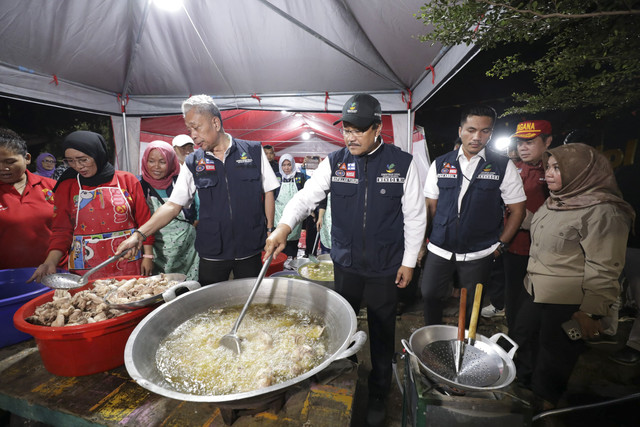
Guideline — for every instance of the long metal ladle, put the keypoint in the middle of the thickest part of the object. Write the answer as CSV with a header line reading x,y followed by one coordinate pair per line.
x,y
73,281
231,340
312,257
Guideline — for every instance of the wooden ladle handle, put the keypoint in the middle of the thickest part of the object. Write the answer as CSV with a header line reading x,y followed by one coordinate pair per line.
x,y
462,314
473,324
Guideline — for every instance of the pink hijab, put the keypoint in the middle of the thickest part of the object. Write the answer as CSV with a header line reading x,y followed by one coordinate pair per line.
x,y
166,150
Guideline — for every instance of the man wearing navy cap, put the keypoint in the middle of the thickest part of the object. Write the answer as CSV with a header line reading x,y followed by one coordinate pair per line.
x,y
378,223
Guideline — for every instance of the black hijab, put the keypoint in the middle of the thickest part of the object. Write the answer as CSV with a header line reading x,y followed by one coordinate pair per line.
x,y
94,146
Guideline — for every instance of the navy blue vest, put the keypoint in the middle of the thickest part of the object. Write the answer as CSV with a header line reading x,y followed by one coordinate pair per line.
x,y
367,231
232,219
480,221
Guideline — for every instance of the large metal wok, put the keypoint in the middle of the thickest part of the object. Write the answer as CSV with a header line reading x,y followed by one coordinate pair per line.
x,y
429,334
339,319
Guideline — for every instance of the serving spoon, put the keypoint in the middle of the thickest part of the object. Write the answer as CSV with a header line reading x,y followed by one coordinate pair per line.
x,y
73,281
231,340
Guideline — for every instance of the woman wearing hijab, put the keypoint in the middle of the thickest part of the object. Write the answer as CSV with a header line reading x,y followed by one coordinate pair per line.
x,y
26,206
578,242
45,165
174,250
290,183
96,208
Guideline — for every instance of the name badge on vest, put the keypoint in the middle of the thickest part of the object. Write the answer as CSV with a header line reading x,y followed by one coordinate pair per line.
x,y
244,159
390,175
487,173
448,171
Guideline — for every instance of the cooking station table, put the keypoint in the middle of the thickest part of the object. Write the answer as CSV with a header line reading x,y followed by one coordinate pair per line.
x,y
112,398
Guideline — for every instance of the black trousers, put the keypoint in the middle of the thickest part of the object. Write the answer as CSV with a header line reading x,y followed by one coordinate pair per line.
x,y
219,271
515,270
546,355
311,232
380,294
291,250
436,279
495,287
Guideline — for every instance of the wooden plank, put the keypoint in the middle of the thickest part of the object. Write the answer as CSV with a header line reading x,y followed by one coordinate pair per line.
x,y
112,398
50,416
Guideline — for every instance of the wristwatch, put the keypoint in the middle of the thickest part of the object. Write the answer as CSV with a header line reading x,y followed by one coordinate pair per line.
x,y
502,247
270,229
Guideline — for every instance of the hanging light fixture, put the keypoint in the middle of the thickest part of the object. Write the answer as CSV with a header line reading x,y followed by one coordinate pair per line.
x,y
168,5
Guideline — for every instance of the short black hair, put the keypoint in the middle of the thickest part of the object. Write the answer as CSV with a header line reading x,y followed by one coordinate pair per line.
x,y
268,147
478,110
13,142
584,136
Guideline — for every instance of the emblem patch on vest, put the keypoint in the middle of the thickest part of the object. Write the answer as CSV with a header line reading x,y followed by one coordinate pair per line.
x,y
205,164
390,175
487,173
448,171
346,172
244,158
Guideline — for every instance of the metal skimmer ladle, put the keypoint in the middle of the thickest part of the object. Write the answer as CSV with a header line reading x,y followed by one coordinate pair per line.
x,y
231,340
479,366
312,257
73,281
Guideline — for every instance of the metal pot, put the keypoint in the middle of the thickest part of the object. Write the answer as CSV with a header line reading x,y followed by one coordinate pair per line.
x,y
327,283
337,314
428,334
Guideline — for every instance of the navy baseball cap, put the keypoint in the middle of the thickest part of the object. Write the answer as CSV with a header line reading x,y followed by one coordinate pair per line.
x,y
361,110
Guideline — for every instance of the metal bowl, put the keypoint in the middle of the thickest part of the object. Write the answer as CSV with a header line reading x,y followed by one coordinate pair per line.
x,y
156,299
336,313
429,334
327,283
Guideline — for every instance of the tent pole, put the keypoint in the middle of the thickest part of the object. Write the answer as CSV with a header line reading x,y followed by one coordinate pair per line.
x,y
409,134
125,163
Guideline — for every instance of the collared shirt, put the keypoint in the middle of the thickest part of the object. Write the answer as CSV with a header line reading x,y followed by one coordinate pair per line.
x,y
511,190
25,222
413,208
184,189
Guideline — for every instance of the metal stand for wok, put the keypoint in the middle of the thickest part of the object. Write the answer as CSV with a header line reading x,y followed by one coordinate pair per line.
x,y
428,404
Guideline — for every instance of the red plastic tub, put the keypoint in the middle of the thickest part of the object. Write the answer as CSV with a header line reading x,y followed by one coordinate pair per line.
x,y
73,351
277,264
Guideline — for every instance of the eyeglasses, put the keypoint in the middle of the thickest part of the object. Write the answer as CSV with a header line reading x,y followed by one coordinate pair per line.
x,y
48,161
82,161
357,133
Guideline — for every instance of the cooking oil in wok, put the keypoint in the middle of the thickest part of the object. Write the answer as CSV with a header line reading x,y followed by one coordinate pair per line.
x,y
278,343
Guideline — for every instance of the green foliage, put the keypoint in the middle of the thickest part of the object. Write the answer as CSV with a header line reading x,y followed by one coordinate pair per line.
x,y
591,54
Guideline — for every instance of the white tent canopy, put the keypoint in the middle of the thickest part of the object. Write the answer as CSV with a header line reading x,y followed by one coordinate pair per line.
x,y
129,56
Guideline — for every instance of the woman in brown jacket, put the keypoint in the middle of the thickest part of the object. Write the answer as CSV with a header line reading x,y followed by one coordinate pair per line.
x,y
578,242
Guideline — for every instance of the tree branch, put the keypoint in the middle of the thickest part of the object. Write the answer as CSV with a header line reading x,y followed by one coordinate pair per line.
x,y
562,15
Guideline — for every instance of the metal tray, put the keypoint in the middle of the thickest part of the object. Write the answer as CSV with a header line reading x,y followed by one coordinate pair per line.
x,y
166,296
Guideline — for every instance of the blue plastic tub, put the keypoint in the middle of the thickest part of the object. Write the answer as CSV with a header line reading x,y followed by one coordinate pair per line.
x,y
14,292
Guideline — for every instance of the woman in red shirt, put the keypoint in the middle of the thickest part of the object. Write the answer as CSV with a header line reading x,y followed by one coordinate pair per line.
x,y
26,206
96,208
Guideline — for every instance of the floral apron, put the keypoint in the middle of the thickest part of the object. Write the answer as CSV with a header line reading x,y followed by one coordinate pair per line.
x,y
288,189
174,248
104,219
325,230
